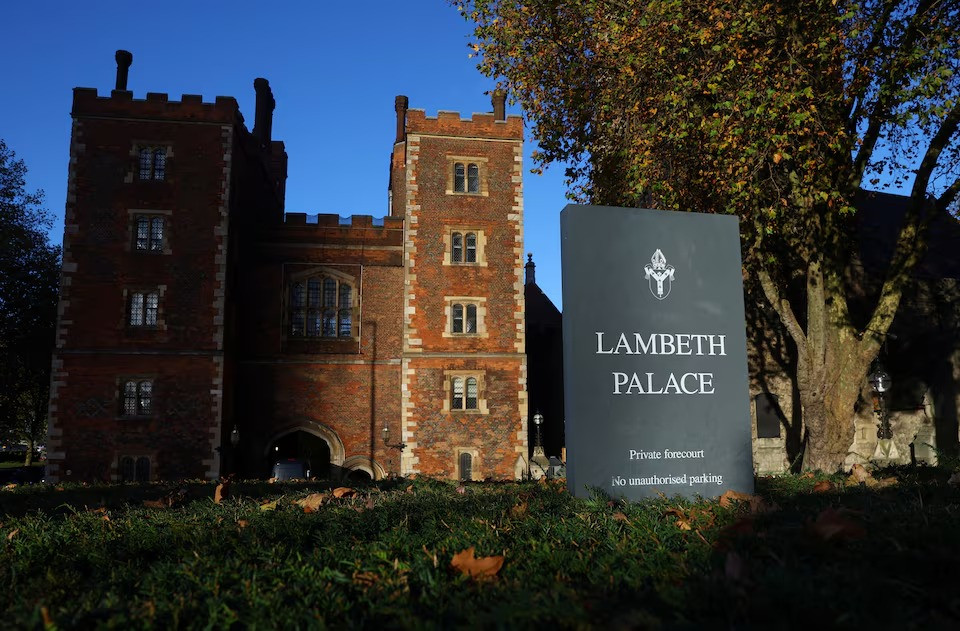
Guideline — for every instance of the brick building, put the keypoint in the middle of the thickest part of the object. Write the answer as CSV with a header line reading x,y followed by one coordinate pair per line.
x,y
203,330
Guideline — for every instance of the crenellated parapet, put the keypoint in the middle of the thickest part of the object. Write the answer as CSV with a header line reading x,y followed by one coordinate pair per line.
x,y
482,125
156,106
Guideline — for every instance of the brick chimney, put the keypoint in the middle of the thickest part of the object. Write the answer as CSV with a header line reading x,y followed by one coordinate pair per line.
x,y
530,269
499,105
263,116
400,104
124,59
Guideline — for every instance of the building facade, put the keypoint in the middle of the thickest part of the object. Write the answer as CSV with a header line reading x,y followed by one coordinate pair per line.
x,y
203,330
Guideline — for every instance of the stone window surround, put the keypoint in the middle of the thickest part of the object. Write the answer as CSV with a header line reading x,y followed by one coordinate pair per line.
x,y
120,390
161,324
322,271
448,245
481,304
135,213
480,161
479,375
133,175
475,474
116,473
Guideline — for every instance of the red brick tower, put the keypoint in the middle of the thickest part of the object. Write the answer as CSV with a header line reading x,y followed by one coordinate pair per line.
x,y
458,185
140,388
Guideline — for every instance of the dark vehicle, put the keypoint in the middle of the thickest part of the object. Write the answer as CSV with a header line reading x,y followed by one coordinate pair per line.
x,y
290,469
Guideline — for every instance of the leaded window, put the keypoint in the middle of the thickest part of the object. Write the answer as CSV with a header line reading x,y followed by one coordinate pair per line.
x,y
464,318
459,178
456,241
153,163
144,308
471,242
466,466
473,178
457,399
137,398
321,306
149,233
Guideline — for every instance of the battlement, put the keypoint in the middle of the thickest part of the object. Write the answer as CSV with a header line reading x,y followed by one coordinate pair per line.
x,y
479,124
156,106
334,229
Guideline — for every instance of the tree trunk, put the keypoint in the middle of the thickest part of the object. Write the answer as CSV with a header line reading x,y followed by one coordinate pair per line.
x,y
28,459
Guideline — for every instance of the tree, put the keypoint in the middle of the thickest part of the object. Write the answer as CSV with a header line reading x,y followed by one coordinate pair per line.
x,y
778,112
28,305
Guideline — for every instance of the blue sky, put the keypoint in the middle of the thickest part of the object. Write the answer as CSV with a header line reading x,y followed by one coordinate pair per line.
x,y
334,67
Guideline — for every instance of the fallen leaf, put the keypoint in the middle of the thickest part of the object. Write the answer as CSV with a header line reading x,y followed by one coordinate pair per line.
x,y
808,475
14,532
161,503
10,487
99,509
777,157
410,489
58,488
222,492
882,483
733,567
343,491
272,481
859,474
365,579
682,520
270,505
478,568
731,496
834,524
370,503
823,486
312,502
618,516
519,510
242,523
461,489
106,518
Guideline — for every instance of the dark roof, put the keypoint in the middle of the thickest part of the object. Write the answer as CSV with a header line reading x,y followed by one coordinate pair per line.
x,y
879,218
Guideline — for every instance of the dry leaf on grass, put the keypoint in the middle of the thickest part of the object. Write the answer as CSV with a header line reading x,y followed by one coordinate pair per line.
x,y
370,503
10,487
270,505
823,486
13,533
410,489
461,489
222,492
682,521
478,568
882,483
835,524
618,516
859,474
756,503
343,491
730,497
808,475
242,523
312,502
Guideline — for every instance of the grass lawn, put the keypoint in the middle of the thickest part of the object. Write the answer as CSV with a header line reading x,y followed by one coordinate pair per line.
x,y
16,464
806,551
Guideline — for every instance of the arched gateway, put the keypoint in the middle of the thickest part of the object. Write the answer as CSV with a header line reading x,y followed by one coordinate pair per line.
x,y
321,448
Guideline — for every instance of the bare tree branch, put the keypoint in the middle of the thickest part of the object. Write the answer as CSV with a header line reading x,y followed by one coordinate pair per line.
x,y
782,306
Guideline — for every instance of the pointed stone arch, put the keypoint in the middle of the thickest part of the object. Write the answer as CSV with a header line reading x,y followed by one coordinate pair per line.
x,y
363,463
321,431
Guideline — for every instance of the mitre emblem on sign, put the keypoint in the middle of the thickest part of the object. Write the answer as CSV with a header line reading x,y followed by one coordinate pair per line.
x,y
658,270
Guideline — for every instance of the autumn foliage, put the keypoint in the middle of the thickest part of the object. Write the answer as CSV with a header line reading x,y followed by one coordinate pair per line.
x,y
777,112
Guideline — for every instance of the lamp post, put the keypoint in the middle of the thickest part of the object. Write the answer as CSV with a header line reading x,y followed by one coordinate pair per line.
x,y
881,382
539,462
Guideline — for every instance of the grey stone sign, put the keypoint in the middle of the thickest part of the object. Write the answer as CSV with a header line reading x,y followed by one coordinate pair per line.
x,y
654,353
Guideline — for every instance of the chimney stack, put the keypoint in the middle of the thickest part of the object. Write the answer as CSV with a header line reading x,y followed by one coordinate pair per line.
x,y
499,105
263,116
530,268
400,104
124,59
